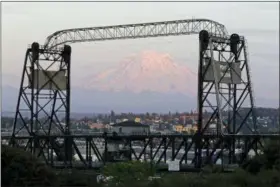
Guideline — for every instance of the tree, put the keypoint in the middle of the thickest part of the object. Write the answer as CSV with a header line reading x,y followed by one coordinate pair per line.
x,y
269,159
20,168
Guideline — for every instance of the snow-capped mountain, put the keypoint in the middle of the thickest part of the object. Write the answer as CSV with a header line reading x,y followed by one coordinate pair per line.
x,y
145,82
148,71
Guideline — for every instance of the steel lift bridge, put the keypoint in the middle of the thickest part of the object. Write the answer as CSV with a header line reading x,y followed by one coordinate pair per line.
x,y
42,119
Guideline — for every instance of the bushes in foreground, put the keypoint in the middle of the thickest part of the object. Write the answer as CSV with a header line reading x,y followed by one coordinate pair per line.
x,y
20,168
126,172
268,160
242,178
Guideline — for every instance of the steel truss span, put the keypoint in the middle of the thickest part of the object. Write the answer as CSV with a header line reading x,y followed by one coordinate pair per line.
x,y
224,91
93,151
133,31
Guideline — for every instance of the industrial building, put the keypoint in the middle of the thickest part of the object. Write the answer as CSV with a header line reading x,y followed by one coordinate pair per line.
x,y
130,127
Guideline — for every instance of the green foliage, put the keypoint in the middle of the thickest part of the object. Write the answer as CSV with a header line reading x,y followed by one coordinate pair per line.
x,y
240,178
268,178
128,171
127,175
268,160
271,153
184,180
20,168
255,165
212,169
77,178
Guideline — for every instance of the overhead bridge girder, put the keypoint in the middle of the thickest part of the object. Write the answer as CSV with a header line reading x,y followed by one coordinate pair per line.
x,y
134,31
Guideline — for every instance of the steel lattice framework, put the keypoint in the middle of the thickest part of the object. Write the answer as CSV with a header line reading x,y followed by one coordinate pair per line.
x,y
224,90
133,31
159,149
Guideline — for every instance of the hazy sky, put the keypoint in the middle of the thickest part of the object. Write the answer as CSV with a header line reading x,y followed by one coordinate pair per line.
x,y
23,23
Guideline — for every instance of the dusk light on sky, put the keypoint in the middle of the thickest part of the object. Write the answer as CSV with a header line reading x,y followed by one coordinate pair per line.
x,y
23,23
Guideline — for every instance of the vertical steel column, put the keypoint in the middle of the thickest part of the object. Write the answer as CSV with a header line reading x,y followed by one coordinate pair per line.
x,y
35,60
66,55
203,44
234,41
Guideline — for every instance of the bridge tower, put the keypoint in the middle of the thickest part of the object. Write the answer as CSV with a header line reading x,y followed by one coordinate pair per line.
x,y
225,96
43,106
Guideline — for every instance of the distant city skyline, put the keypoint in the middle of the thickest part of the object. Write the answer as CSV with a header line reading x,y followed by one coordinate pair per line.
x,y
23,23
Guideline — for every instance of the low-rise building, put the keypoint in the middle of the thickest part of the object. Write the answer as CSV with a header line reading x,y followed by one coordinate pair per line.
x,y
186,129
130,127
